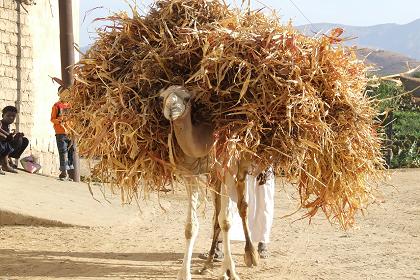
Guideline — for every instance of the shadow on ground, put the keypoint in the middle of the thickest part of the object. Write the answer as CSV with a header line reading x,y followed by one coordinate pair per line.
x,y
89,264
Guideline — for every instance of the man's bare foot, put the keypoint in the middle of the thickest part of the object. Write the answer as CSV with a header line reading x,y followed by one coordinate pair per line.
x,y
9,169
5,165
2,172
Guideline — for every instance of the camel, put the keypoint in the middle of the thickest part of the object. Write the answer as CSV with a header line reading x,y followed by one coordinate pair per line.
x,y
196,142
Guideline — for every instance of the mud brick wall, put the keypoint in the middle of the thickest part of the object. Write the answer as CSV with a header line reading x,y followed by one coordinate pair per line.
x,y
29,56
16,63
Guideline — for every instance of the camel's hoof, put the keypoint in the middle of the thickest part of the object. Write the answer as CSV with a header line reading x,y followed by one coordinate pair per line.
x,y
229,276
204,271
251,257
183,275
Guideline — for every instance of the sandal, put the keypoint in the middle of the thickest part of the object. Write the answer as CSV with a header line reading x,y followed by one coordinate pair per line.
x,y
218,256
2,172
63,176
263,251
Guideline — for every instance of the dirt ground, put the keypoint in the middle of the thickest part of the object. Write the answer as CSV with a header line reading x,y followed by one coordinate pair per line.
x,y
385,244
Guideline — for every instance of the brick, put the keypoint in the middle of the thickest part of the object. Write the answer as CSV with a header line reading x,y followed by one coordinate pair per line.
x,y
11,49
13,38
10,72
26,41
5,38
26,52
25,30
8,4
12,61
3,23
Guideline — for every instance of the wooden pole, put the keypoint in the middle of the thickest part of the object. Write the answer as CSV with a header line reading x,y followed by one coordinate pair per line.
x,y
67,60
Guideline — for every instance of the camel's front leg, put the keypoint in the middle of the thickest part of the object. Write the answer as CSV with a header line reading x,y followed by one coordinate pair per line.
x,y
251,256
191,231
225,220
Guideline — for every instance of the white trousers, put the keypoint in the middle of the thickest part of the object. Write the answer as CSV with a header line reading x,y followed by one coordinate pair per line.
x,y
260,200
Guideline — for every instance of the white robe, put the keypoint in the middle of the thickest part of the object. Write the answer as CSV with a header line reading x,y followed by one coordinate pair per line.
x,y
260,200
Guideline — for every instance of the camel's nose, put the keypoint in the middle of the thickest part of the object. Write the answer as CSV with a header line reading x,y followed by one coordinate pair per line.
x,y
174,107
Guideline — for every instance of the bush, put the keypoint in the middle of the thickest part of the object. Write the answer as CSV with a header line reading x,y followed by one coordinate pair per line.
x,y
406,139
401,126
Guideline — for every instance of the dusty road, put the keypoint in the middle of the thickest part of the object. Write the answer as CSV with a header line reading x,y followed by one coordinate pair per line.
x,y
385,244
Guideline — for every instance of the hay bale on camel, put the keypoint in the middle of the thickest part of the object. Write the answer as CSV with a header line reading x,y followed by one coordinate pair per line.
x,y
195,87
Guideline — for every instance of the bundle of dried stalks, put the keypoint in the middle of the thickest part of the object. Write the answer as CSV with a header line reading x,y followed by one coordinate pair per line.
x,y
289,100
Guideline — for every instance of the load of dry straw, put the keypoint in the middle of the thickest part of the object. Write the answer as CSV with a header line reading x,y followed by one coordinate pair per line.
x,y
286,99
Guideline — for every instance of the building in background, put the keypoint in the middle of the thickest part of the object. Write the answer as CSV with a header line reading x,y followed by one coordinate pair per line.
x,y
29,56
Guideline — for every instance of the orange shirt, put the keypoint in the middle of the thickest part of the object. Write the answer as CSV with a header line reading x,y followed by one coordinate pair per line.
x,y
57,112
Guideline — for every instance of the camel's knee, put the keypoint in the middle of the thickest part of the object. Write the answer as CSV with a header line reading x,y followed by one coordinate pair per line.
x,y
240,177
191,230
225,225
243,209
216,225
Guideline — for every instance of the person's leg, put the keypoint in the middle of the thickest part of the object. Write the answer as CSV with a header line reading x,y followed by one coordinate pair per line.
x,y
265,213
218,253
6,166
1,163
70,152
2,155
63,155
5,150
19,145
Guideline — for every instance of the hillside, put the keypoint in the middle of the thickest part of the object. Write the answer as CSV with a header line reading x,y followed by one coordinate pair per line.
x,y
386,62
399,38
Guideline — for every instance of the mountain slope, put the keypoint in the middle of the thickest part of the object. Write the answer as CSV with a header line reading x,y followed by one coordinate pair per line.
x,y
404,39
386,62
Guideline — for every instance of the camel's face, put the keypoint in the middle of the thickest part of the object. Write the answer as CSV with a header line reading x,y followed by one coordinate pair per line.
x,y
175,100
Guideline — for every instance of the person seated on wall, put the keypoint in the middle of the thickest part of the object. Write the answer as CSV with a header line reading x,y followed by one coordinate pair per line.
x,y
12,143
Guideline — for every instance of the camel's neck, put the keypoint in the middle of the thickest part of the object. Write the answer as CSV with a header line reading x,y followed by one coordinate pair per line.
x,y
194,140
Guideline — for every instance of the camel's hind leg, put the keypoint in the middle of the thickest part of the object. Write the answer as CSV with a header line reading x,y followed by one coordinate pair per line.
x,y
251,256
216,227
191,229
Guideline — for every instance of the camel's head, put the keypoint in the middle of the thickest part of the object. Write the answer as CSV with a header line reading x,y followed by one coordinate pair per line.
x,y
175,101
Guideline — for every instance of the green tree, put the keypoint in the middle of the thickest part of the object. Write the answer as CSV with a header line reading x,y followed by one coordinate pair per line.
x,y
401,125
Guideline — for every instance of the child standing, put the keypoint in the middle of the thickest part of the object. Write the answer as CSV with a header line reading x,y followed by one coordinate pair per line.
x,y
64,144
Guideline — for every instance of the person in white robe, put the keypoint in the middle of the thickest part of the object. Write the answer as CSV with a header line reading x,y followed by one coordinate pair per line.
x,y
260,199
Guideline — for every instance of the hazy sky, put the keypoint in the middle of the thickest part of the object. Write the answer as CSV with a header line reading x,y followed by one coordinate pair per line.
x,y
350,12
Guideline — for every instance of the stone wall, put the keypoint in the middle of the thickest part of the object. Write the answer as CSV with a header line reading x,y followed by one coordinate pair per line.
x,y
29,56
16,62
